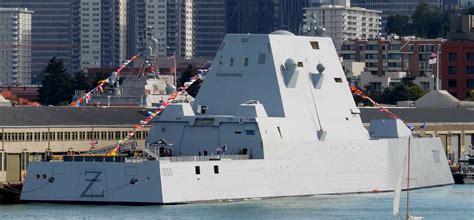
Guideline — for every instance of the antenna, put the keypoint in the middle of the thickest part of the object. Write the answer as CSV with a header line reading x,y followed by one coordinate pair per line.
x,y
149,50
313,28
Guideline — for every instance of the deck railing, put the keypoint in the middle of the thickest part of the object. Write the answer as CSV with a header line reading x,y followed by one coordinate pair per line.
x,y
123,159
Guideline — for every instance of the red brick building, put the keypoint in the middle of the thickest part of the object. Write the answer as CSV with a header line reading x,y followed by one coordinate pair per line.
x,y
457,68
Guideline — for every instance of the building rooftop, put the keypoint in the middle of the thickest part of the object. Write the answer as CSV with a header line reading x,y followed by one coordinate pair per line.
x,y
421,115
340,7
127,116
69,116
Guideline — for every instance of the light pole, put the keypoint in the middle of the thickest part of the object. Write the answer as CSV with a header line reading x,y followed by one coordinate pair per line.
x,y
437,67
175,70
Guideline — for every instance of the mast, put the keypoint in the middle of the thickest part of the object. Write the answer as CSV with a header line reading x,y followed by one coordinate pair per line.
x,y
408,179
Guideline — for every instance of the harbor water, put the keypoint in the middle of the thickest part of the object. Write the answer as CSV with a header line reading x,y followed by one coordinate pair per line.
x,y
448,202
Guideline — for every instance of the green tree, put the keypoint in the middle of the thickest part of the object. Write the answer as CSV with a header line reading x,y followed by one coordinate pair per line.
x,y
399,24
429,22
57,85
408,80
80,81
401,92
392,95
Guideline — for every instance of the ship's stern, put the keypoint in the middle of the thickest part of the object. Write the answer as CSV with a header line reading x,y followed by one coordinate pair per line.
x,y
93,182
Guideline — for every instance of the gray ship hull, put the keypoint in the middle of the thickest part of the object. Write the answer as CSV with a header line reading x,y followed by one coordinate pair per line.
x,y
339,169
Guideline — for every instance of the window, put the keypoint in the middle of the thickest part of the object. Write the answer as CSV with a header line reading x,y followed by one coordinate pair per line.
x,y
197,170
469,69
89,135
111,135
425,85
74,135
117,135
452,83
452,70
314,45
82,135
37,136
60,136
67,136
216,169
372,47
470,83
44,136
338,80
52,136
470,56
452,56
246,61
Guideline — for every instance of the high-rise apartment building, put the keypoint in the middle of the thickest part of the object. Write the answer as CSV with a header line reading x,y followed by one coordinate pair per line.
x,y
15,46
188,47
209,27
51,25
136,26
251,16
169,21
344,23
102,32
264,16
82,33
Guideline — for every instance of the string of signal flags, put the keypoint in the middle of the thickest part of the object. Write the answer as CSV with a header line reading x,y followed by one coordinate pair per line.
x,y
150,115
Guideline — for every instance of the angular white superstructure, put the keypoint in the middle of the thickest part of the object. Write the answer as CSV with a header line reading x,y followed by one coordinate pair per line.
x,y
280,108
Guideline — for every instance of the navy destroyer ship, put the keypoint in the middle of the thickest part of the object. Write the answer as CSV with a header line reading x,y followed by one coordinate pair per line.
x,y
274,117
